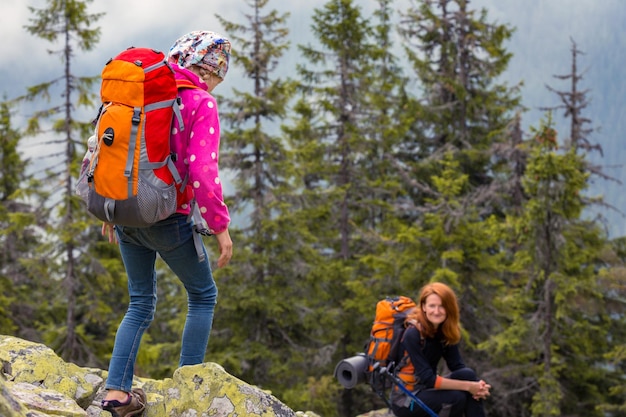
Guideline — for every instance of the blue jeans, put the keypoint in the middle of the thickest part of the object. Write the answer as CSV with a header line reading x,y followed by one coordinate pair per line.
x,y
172,239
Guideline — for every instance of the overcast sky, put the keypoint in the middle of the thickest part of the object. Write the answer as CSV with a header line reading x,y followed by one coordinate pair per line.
x,y
544,28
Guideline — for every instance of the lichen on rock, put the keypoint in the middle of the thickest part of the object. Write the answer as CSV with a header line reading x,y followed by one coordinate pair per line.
x,y
35,382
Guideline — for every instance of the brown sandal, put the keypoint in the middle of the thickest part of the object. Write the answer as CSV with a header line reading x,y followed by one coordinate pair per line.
x,y
134,406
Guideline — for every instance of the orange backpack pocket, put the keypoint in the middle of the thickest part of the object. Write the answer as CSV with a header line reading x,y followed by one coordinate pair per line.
x,y
117,179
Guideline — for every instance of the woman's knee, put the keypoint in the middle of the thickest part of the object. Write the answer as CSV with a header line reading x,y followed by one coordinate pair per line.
x,y
203,296
142,308
465,374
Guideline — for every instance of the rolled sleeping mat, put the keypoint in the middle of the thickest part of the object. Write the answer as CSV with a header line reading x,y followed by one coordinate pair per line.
x,y
351,371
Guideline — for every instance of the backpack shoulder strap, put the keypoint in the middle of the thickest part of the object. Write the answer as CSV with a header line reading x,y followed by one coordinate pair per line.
x,y
181,84
405,356
418,327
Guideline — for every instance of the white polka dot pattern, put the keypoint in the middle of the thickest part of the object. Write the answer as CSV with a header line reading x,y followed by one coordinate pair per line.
x,y
198,144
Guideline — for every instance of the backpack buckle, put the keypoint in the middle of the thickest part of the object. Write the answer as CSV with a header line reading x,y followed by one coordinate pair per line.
x,y
136,116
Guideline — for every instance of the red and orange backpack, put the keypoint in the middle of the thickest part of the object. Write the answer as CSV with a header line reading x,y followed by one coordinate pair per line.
x,y
131,175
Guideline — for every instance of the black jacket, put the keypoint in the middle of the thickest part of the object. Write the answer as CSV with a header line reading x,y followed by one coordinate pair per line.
x,y
425,357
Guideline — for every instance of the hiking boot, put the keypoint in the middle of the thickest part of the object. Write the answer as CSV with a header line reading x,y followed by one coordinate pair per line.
x,y
134,406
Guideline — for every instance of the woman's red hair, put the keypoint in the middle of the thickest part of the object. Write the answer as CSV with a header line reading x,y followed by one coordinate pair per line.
x,y
451,327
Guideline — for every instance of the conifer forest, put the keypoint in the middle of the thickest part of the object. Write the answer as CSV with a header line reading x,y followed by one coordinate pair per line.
x,y
373,167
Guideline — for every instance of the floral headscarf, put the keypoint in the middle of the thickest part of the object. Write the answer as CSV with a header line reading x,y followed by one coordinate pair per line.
x,y
208,50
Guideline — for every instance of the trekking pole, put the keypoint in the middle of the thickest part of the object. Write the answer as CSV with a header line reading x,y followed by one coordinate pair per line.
x,y
414,397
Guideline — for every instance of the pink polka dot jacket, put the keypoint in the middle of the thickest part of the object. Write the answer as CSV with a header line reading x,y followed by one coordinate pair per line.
x,y
197,150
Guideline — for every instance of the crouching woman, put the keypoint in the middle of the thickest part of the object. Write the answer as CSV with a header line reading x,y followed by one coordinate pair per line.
x,y
433,333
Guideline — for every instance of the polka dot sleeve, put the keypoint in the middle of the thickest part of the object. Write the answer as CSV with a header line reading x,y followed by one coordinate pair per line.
x,y
202,132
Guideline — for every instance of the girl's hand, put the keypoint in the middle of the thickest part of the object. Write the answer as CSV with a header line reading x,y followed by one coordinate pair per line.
x,y
225,246
108,229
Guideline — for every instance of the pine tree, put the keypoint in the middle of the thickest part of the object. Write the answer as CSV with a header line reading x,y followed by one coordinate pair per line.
x,y
612,281
573,103
589,382
555,323
457,56
553,309
65,256
17,222
385,115
467,115
261,293
352,113
510,156
388,113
